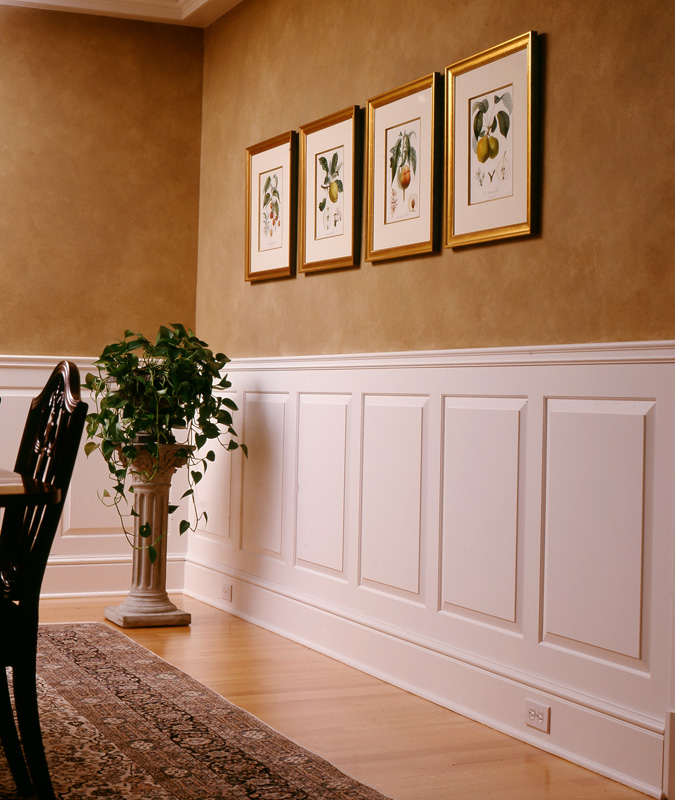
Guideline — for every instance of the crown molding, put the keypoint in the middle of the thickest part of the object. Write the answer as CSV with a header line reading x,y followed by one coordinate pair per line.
x,y
192,13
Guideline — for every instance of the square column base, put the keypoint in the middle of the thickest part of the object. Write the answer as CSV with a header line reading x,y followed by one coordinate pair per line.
x,y
145,619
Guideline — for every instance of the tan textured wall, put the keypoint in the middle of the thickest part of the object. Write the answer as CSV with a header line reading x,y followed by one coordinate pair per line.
x,y
99,179
602,268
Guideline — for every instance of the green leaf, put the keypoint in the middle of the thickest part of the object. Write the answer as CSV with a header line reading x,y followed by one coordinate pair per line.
x,y
393,161
173,508
478,124
90,447
339,185
480,105
184,526
145,530
324,163
413,159
196,476
334,163
322,204
107,447
504,123
506,99
152,553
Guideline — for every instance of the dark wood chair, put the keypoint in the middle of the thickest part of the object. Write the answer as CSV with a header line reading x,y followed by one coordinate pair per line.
x,y
47,453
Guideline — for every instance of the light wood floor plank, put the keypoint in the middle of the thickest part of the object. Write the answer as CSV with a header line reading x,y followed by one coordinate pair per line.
x,y
407,747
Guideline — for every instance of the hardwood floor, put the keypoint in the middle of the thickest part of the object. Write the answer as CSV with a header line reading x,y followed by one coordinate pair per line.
x,y
404,746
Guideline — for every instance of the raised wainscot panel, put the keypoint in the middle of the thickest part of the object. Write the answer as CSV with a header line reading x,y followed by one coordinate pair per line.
x,y
213,495
321,454
594,523
392,492
481,447
262,488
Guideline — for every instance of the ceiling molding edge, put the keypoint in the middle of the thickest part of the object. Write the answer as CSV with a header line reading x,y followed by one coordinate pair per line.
x,y
193,13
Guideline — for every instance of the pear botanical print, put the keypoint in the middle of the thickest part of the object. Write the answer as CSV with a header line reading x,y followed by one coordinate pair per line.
x,y
271,222
490,162
329,211
402,192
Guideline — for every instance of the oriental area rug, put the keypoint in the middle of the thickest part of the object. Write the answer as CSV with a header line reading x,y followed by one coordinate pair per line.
x,y
120,723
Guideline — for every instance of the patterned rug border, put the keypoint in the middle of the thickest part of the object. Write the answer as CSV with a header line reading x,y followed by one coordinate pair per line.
x,y
122,723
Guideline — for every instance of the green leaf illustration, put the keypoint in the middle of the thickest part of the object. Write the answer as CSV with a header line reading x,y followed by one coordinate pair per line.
x,y
393,161
506,99
478,124
504,123
339,185
413,159
333,163
324,163
322,204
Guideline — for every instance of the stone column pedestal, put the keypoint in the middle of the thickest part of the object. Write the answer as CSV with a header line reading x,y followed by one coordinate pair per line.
x,y
148,604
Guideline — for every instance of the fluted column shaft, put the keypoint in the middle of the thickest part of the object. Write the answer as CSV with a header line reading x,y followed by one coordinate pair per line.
x,y
148,604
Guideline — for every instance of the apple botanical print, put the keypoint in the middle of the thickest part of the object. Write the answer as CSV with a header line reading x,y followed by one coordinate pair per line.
x,y
270,223
402,178
329,211
491,159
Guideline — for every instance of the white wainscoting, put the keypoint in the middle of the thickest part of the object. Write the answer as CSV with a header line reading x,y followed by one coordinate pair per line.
x,y
90,555
479,527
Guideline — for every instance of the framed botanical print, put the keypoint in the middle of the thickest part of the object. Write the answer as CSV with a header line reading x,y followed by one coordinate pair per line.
x,y
271,183
330,218
400,186
489,144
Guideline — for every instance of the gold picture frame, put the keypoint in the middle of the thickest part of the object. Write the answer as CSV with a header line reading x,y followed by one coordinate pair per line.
x,y
330,209
488,182
271,208
402,159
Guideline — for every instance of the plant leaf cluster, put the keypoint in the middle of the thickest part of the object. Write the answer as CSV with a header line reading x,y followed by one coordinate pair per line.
x,y
484,123
332,174
150,393
271,196
402,153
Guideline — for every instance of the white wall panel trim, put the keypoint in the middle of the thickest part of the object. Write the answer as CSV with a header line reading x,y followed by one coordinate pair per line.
x,y
442,645
488,593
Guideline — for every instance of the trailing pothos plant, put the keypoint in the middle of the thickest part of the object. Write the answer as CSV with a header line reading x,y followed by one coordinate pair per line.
x,y
147,394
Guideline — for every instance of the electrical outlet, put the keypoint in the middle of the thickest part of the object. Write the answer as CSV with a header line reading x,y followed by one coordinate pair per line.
x,y
227,592
538,716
